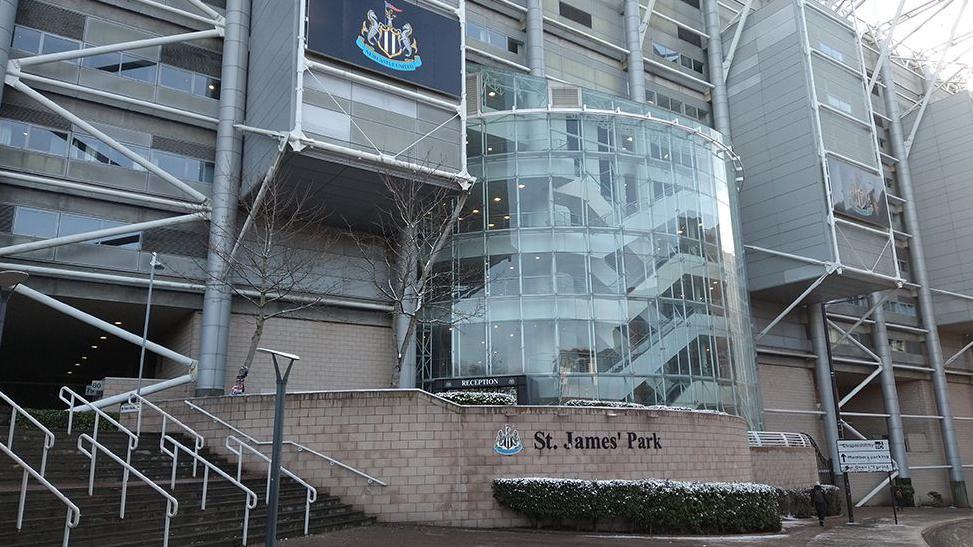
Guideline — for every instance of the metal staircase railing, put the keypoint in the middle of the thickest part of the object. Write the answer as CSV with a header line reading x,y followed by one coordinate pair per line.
x,y
241,447
48,436
251,497
73,516
172,505
778,439
300,447
69,397
198,440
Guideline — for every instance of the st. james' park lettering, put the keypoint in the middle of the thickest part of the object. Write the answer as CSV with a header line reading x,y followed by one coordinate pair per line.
x,y
628,440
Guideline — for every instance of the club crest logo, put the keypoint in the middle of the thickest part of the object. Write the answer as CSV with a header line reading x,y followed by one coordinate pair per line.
x,y
508,441
390,46
861,199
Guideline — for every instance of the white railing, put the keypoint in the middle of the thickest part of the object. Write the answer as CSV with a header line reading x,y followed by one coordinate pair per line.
x,y
251,497
73,513
48,436
300,447
198,439
779,439
241,447
70,397
172,506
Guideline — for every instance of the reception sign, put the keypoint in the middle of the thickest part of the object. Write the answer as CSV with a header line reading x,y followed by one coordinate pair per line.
x,y
391,37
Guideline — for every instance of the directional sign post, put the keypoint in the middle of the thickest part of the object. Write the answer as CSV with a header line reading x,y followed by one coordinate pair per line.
x,y
865,457
868,457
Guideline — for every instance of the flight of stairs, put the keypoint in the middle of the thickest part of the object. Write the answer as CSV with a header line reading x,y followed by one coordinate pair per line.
x,y
220,524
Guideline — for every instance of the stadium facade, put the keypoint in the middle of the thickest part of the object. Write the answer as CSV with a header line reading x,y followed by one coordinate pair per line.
x,y
621,160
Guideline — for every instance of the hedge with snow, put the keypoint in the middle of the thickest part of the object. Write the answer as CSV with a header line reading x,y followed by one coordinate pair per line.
x,y
654,506
625,404
479,398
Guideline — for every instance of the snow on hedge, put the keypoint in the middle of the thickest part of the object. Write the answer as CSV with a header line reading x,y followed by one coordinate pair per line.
x,y
655,506
625,404
490,398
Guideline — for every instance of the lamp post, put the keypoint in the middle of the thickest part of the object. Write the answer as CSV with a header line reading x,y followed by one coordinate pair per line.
x,y
9,280
274,494
154,265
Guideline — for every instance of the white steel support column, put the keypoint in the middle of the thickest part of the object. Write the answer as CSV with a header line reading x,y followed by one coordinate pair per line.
x,y
822,376
535,38
633,39
8,15
714,57
926,313
214,336
880,339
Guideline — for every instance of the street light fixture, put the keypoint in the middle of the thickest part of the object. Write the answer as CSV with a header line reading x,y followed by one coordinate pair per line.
x,y
154,265
9,279
274,494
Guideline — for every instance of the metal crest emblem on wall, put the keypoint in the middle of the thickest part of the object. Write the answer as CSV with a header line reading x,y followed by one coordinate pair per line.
x,y
390,46
861,199
508,441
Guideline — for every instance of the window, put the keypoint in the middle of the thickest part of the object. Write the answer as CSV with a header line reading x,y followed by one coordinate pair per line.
x,y
34,222
138,69
574,14
31,137
693,3
493,37
90,149
35,41
77,224
831,52
668,54
689,36
835,102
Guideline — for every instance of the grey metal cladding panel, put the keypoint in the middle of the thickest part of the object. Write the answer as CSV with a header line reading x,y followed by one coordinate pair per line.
x,y
272,81
822,30
864,250
847,138
45,16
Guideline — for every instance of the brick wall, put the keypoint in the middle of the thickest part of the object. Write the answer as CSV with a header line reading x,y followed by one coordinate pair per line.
x,y
438,458
785,467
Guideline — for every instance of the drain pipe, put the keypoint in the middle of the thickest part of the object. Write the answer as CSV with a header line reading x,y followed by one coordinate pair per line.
x,y
822,376
917,257
217,301
535,38
636,65
880,339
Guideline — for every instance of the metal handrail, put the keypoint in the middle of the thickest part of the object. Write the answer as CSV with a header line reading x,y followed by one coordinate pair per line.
x,y
73,515
135,398
48,436
299,447
251,501
778,438
172,505
312,492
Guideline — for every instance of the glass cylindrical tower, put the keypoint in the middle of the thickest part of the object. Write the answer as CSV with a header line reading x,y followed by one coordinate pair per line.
x,y
595,254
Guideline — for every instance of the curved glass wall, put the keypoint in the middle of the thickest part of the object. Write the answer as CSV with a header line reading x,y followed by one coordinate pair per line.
x,y
595,255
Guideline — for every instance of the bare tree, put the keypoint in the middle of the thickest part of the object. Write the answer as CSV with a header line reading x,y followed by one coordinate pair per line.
x,y
413,226
277,264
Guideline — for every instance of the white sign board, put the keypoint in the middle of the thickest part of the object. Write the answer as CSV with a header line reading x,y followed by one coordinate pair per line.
x,y
865,457
128,408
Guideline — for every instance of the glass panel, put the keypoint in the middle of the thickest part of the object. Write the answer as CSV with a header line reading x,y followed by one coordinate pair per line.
x,y
471,218
77,224
504,275
138,69
13,133
35,222
108,62
570,273
472,349
574,347
176,78
206,86
535,201
27,39
48,141
537,270
541,356
56,44
502,204
505,348
609,341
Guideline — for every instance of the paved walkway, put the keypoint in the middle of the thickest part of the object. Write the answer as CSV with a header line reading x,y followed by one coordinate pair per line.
x,y
874,528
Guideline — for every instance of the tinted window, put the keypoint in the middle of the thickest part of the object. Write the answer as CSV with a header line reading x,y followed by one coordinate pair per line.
x,y
689,36
27,39
574,14
35,222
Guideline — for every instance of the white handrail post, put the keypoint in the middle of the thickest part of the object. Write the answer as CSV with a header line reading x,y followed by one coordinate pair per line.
x,y
94,454
23,499
10,436
205,486
67,528
175,457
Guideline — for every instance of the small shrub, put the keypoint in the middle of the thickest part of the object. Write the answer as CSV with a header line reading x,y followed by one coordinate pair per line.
x,y
58,419
654,506
935,499
467,398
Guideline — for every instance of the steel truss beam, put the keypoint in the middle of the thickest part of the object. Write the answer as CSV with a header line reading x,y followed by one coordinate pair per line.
x,y
646,19
31,181
859,345
99,234
861,320
71,311
792,305
851,394
728,62
884,48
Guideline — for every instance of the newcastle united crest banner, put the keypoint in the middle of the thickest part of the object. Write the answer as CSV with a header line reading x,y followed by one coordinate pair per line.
x,y
857,193
392,37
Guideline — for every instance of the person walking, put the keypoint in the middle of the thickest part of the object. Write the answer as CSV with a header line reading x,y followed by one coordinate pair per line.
x,y
820,503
